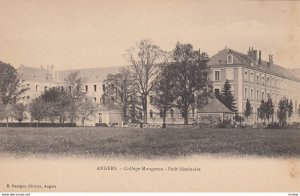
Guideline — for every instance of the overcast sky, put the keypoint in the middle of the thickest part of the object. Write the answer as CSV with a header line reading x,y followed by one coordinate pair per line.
x,y
93,33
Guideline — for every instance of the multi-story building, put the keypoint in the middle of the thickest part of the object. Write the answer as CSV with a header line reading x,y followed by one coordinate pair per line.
x,y
250,77
254,79
38,80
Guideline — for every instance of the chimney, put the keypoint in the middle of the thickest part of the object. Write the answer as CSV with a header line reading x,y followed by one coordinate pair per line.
x,y
259,57
270,59
254,55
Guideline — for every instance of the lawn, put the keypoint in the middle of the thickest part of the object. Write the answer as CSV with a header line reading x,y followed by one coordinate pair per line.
x,y
148,143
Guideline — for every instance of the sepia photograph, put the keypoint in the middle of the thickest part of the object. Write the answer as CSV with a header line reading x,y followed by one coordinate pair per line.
x,y
149,96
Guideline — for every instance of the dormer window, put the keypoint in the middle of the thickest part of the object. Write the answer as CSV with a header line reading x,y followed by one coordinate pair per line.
x,y
229,59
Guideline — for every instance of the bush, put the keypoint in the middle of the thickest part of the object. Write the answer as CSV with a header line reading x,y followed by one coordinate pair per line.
x,y
274,125
34,124
101,125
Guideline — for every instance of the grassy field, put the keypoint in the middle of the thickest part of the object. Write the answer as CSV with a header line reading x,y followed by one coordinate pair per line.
x,y
148,143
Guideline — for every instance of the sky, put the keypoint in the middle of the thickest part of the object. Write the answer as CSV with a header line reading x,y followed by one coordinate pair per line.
x,y
96,33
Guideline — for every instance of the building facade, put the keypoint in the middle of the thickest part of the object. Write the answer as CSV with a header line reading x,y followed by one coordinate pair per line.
x,y
254,79
250,77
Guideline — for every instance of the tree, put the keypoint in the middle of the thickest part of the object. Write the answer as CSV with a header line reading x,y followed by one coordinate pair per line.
x,y
248,109
11,88
227,98
261,111
58,104
145,60
73,84
18,112
191,78
164,96
38,110
299,110
290,110
269,109
119,89
282,111
86,109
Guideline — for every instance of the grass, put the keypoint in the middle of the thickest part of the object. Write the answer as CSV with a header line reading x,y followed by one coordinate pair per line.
x,y
148,143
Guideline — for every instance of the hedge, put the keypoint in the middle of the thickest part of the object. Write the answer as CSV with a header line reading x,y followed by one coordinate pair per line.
x,y
34,124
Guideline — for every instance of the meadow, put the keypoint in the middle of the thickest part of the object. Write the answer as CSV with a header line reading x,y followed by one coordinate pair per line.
x,y
149,143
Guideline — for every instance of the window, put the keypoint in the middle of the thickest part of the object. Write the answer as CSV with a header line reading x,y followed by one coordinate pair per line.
x,y
95,88
252,77
151,113
172,113
262,95
86,88
257,78
70,88
263,79
246,75
36,87
151,99
229,58
103,87
257,94
251,94
217,75
268,80
95,99
161,114
246,93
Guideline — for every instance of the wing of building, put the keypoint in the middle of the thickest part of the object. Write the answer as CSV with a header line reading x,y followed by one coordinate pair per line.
x,y
253,78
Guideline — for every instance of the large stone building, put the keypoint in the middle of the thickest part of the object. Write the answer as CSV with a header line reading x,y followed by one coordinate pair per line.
x,y
254,79
250,77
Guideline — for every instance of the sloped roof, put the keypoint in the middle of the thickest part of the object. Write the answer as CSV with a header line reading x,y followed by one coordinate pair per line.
x,y
90,74
296,72
35,74
214,106
243,59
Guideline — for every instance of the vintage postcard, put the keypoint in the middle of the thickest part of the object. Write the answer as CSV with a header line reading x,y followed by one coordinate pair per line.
x,y
149,96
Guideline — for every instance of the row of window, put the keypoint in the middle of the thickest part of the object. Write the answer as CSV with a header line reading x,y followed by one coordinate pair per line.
x,y
260,78
250,93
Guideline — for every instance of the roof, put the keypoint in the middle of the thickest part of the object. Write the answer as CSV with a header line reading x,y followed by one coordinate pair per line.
x,y
296,72
243,59
36,74
90,74
214,106
47,74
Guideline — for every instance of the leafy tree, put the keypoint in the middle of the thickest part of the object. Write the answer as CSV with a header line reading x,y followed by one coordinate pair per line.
x,y
290,110
261,111
38,110
299,110
119,89
164,95
5,112
58,104
282,111
227,98
144,62
248,109
11,88
269,109
191,77
86,110
18,112
74,84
